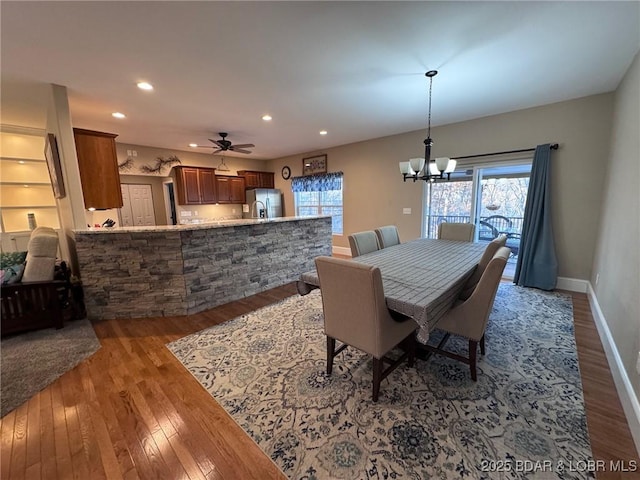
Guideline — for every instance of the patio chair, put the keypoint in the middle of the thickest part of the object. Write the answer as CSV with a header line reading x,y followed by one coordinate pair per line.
x,y
356,314
363,242
469,318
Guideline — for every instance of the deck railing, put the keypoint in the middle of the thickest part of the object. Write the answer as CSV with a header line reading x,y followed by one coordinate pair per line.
x,y
501,224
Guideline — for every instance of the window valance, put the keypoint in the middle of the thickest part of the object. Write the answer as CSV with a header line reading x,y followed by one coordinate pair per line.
x,y
317,183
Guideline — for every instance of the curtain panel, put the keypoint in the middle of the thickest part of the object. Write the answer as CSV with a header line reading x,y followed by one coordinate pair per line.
x,y
537,263
317,183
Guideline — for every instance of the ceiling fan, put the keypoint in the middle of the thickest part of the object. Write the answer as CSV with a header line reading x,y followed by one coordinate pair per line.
x,y
224,145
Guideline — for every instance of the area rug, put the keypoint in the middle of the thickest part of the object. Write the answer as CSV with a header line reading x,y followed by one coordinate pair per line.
x,y
523,418
33,360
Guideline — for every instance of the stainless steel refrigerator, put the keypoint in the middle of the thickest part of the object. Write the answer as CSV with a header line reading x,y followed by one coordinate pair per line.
x,y
268,203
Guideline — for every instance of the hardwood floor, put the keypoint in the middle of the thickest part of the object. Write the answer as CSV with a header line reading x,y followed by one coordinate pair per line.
x,y
132,411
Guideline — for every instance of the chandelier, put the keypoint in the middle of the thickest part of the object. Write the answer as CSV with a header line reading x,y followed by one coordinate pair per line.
x,y
425,168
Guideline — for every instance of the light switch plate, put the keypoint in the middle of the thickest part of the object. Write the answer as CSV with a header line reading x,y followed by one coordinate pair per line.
x,y
406,211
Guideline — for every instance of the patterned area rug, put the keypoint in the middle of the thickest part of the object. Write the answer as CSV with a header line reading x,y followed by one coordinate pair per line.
x,y
524,418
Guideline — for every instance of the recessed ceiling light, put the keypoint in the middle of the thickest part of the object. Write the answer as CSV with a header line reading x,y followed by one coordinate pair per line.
x,y
323,132
118,115
145,86
21,162
193,145
267,117
25,185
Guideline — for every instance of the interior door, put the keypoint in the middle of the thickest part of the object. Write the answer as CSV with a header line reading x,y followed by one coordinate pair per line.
x,y
142,205
137,208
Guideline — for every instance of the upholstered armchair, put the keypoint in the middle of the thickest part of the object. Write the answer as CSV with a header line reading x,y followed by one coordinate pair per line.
x,y
33,301
356,314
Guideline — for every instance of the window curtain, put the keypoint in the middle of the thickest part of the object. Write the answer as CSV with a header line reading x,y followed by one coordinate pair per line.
x,y
317,183
537,264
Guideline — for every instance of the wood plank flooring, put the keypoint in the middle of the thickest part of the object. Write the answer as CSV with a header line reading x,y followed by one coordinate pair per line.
x,y
132,411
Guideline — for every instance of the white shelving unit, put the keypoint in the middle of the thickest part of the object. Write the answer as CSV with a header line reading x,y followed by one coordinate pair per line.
x,y
25,186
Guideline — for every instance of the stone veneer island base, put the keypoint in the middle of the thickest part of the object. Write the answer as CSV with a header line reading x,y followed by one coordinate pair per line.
x,y
132,272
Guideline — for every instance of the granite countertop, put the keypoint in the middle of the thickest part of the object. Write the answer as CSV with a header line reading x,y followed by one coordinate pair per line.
x,y
195,226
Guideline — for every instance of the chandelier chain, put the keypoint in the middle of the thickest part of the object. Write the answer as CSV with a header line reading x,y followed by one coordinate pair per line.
x,y
429,117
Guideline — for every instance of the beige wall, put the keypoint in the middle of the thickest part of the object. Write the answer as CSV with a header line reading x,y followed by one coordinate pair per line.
x,y
374,193
617,259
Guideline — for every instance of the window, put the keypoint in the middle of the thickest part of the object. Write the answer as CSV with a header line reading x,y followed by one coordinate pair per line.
x,y
319,195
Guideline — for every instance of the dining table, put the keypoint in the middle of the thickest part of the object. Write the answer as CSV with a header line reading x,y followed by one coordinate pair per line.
x,y
422,278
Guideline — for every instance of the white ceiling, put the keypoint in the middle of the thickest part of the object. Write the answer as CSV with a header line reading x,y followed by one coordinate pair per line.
x,y
355,69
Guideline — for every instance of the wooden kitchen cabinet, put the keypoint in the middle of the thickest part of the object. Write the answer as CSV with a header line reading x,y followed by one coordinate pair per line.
x,y
255,179
195,186
230,189
98,166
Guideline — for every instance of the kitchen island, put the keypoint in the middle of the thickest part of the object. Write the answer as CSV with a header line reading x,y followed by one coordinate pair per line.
x,y
130,272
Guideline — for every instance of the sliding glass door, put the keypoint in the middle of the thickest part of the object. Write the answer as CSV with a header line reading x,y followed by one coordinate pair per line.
x,y
492,196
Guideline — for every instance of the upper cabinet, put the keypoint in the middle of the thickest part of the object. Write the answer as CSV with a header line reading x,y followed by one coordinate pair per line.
x,y
254,179
230,189
98,165
195,186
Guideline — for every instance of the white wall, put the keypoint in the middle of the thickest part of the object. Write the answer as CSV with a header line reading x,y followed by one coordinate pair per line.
x,y
616,269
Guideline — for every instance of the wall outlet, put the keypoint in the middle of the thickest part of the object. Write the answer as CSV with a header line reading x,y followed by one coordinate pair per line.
x,y
185,213
233,210
406,211
128,153
134,153
196,213
638,364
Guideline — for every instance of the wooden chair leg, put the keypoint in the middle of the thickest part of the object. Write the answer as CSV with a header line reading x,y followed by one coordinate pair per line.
x,y
482,345
473,353
377,377
331,348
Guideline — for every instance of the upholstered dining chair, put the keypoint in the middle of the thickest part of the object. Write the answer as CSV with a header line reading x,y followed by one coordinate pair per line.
x,y
387,236
363,242
469,319
356,314
462,232
492,248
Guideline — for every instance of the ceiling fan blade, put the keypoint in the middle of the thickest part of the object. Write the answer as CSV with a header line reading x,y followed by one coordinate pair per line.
x,y
239,150
217,142
243,145
216,151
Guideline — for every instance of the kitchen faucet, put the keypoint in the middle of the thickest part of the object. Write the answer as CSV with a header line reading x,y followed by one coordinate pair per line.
x,y
264,208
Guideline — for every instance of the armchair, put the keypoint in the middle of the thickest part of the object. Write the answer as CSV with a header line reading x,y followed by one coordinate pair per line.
x,y
33,302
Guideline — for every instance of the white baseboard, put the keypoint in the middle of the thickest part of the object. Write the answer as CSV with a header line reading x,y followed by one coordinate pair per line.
x,y
572,284
341,250
627,395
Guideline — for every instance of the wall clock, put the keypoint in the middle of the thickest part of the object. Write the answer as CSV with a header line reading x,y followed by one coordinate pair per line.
x,y
286,172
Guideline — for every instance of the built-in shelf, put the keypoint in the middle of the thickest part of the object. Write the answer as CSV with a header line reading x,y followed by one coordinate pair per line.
x,y
26,186
22,160
5,207
31,184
